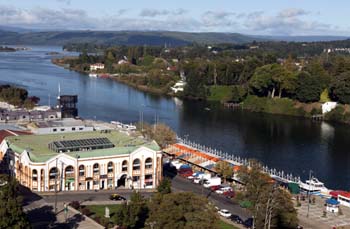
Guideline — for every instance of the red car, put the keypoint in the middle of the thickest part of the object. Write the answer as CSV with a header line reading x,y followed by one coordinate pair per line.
x,y
229,194
215,187
186,174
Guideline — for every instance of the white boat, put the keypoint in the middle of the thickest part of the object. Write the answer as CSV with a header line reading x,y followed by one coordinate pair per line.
x,y
313,185
94,75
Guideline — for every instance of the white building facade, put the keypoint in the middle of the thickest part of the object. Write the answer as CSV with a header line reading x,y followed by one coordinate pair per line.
x,y
139,169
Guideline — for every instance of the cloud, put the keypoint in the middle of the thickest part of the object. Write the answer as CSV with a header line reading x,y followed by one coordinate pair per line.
x,y
286,22
155,13
290,21
292,12
218,18
65,1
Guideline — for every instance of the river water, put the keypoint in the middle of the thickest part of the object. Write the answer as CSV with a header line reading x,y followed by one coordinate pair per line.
x,y
293,144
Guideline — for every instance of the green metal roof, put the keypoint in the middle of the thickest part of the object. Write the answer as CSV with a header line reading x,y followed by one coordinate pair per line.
x,y
37,145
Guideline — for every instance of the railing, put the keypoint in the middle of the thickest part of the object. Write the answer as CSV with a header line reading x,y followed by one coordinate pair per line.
x,y
237,160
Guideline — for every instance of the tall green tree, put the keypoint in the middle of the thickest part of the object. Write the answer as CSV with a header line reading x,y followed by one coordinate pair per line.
x,y
134,213
340,88
11,212
164,186
224,169
181,210
272,207
309,88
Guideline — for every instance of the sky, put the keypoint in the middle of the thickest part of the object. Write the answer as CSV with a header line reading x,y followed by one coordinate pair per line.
x,y
255,17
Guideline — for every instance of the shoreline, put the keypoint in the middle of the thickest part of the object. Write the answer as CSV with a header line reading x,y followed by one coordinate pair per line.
x,y
275,106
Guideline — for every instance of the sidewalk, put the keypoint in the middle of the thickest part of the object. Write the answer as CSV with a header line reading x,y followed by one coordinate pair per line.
x,y
75,219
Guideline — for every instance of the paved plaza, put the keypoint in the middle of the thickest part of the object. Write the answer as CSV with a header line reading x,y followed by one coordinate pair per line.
x,y
316,218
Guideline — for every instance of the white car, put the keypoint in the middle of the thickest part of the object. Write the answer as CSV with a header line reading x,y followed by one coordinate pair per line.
x,y
222,190
225,213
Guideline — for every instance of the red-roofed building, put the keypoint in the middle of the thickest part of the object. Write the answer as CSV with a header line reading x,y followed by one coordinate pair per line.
x,y
344,199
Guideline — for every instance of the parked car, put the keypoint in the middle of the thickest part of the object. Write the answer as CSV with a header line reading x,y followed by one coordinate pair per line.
x,y
229,194
222,190
116,197
225,213
236,219
186,174
248,223
215,187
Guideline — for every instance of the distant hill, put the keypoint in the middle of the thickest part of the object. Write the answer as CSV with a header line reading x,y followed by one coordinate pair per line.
x,y
303,38
25,37
121,38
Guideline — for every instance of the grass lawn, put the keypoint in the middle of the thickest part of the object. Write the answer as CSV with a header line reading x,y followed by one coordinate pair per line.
x,y
220,93
224,225
99,210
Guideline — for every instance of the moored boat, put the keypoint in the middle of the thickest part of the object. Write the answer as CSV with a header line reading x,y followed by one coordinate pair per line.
x,y
314,186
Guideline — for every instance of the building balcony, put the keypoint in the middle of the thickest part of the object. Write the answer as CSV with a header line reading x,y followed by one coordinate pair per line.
x,y
136,172
149,171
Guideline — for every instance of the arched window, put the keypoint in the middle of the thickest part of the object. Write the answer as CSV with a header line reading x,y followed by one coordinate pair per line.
x,y
81,170
53,173
110,167
136,164
69,172
34,175
148,163
125,166
96,168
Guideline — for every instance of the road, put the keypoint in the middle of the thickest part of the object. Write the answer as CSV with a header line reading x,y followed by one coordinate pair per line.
x,y
89,196
180,184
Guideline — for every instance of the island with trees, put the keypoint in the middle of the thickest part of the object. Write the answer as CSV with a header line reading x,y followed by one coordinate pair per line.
x,y
290,78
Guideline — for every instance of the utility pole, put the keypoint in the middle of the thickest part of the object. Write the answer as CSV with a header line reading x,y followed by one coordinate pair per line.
x,y
308,195
56,173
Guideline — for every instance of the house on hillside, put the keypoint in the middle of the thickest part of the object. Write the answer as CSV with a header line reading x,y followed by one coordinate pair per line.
x,y
97,66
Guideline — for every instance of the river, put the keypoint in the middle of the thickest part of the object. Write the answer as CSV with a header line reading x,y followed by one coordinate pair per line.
x,y
295,145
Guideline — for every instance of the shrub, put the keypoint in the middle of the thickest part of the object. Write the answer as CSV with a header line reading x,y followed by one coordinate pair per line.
x,y
86,211
75,204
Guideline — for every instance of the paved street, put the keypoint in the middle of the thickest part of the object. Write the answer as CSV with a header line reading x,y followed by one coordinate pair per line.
x,y
182,184
86,197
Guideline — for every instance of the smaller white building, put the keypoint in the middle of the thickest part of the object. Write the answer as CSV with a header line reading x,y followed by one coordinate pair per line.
x,y
332,205
97,66
344,199
328,106
179,86
66,125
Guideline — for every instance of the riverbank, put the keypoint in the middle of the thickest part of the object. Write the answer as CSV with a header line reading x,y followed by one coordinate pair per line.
x,y
221,93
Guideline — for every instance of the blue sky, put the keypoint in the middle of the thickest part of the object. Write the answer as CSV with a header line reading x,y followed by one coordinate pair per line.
x,y
265,17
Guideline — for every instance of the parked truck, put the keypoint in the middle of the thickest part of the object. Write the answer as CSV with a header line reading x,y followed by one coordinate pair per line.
x,y
212,181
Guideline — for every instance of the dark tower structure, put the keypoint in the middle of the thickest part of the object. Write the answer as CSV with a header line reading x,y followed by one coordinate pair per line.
x,y
68,105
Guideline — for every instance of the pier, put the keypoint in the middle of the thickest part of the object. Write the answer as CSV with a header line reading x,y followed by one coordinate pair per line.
x,y
206,158
232,105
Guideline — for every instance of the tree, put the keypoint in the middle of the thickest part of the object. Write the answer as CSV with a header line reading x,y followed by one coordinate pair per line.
x,y
309,88
11,212
239,93
181,210
165,186
271,206
340,88
133,214
224,169
271,78
160,132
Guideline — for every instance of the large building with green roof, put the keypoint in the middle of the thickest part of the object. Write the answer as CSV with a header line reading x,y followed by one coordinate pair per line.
x,y
93,160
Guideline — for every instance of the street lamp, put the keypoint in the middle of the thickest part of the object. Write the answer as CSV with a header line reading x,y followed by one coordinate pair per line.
x,y
308,194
